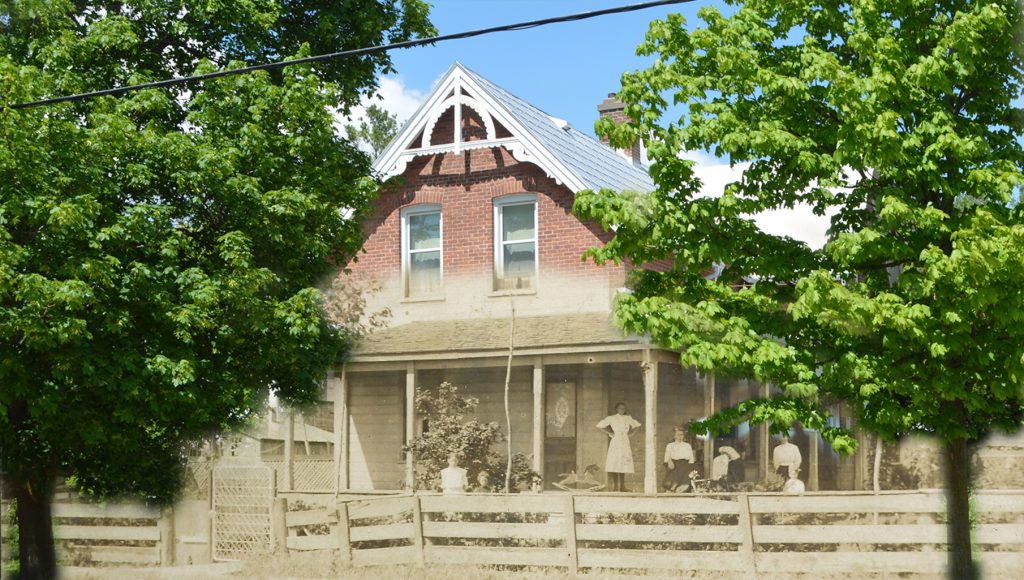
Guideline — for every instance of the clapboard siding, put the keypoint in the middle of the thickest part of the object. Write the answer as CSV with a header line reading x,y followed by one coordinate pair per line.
x,y
376,430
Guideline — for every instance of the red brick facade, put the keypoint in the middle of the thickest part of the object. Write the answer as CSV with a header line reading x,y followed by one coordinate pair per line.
x,y
465,186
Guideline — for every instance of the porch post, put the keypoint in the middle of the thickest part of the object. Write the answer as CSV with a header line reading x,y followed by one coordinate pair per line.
x,y
812,466
762,452
289,455
860,460
709,409
410,419
538,415
341,432
650,369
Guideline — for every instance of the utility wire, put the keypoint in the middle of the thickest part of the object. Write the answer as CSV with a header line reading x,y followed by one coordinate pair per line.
x,y
336,55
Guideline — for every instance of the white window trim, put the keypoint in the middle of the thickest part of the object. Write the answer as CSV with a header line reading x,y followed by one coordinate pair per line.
x,y
499,244
415,210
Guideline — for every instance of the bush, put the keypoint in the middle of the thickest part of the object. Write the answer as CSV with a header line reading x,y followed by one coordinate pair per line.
x,y
448,432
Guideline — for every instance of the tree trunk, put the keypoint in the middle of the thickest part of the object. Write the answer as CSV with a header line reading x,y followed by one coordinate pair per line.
x,y
508,412
35,530
958,510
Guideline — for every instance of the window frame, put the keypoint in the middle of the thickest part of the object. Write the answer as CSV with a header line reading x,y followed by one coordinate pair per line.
x,y
500,203
408,212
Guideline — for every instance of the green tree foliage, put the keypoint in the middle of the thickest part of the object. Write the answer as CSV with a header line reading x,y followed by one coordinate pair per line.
x,y
375,131
449,432
159,251
897,120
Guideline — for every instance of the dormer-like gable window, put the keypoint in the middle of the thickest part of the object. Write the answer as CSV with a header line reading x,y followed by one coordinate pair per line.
x,y
515,242
422,275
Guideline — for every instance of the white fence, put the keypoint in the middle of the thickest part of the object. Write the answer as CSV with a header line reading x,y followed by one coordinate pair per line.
x,y
888,533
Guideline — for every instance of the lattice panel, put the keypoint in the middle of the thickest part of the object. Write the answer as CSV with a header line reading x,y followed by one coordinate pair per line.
x,y
197,477
309,474
242,498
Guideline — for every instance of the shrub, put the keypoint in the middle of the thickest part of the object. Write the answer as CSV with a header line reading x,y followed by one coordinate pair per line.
x,y
448,432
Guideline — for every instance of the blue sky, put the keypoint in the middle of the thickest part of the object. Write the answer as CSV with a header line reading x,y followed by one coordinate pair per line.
x,y
564,69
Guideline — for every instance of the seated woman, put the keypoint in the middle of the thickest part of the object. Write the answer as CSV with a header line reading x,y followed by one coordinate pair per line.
x,y
678,462
735,473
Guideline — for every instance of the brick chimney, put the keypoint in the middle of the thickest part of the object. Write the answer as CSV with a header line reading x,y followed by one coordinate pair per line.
x,y
615,110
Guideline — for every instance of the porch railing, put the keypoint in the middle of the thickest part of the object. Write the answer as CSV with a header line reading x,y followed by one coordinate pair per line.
x,y
854,533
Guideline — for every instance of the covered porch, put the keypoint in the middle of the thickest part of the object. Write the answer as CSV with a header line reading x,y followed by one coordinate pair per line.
x,y
568,372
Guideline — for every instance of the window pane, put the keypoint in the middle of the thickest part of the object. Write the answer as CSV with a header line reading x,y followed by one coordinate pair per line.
x,y
517,222
424,272
520,260
425,231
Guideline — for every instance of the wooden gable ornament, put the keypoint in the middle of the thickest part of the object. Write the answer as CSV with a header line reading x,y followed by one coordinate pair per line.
x,y
458,90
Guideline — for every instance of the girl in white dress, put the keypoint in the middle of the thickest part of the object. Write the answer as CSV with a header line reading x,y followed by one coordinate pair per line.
x,y
620,457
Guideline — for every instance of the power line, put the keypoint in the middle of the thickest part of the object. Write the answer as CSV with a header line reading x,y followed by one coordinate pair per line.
x,y
336,55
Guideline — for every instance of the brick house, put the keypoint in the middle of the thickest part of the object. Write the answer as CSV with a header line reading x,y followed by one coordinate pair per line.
x,y
475,228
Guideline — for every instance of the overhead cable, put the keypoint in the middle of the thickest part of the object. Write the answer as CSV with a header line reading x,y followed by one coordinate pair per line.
x,y
336,55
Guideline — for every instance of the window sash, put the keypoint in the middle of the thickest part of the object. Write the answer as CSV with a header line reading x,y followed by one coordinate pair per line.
x,y
522,240
422,251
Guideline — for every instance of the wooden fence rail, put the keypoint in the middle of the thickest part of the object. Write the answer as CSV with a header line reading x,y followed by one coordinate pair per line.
x,y
124,533
743,534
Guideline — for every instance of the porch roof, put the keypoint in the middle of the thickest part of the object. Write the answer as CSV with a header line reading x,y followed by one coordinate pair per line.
x,y
491,334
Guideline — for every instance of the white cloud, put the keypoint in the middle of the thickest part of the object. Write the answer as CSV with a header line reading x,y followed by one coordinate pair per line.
x,y
799,223
394,97
702,158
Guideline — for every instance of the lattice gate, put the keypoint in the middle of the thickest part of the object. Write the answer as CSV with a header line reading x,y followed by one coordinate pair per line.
x,y
242,499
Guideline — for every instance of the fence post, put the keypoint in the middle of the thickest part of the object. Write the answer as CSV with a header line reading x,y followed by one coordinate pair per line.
x,y
417,531
279,525
746,525
569,512
211,520
166,525
344,537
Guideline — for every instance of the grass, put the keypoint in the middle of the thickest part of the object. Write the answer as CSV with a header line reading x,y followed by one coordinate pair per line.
x,y
324,565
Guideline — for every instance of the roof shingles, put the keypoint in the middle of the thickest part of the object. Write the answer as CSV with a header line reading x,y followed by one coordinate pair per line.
x,y
476,335
596,164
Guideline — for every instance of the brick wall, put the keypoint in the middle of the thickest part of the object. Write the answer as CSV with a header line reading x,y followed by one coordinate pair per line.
x,y
465,187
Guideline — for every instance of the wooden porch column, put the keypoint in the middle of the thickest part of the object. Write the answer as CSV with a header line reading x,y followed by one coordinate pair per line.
x,y
709,409
812,465
860,460
538,415
763,447
341,432
410,419
650,369
289,455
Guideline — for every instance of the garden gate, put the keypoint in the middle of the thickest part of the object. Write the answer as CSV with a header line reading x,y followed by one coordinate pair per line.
x,y
242,498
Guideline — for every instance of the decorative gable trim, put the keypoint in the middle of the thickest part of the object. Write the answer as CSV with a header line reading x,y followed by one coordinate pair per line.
x,y
457,89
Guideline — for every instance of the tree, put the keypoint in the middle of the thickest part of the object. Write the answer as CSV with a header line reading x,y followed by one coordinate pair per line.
x,y
898,121
159,251
375,131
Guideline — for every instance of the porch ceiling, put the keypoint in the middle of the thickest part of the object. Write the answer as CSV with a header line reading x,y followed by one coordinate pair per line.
x,y
491,334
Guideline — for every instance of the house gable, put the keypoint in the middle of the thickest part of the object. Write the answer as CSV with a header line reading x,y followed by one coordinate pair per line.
x,y
563,153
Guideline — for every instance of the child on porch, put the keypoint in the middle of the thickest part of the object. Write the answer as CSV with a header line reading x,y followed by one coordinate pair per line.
x,y
483,483
619,461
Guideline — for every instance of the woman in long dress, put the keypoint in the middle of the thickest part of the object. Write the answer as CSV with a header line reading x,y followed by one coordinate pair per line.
x,y
620,457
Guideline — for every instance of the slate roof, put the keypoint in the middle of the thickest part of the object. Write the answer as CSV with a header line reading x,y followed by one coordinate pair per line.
x,y
596,164
488,334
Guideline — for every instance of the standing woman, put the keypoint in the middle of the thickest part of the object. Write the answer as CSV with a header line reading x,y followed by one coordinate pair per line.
x,y
618,427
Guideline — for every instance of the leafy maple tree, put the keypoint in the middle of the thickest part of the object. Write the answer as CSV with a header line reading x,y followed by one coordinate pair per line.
x,y
159,251
901,122
376,130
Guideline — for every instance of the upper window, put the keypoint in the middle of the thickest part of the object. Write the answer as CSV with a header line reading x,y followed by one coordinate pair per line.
x,y
421,250
515,242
